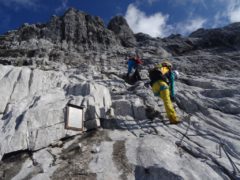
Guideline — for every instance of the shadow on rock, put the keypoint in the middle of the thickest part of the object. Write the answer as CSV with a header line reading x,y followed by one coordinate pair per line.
x,y
154,173
131,79
127,125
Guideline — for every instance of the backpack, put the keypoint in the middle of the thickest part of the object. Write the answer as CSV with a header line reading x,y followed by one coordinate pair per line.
x,y
156,74
138,61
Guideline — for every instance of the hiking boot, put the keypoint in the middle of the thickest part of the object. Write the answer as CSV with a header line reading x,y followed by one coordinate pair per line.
x,y
175,122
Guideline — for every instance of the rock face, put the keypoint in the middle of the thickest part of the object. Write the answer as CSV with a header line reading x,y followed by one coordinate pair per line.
x,y
220,37
75,31
76,59
33,105
120,27
74,28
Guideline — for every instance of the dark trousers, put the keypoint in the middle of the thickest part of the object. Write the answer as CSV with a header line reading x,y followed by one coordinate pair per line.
x,y
136,75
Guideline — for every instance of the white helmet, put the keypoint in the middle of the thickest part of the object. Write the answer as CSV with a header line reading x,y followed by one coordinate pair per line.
x,y
131,54
176,74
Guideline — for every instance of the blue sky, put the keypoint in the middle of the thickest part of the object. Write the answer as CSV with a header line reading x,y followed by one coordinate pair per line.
x,y
158,18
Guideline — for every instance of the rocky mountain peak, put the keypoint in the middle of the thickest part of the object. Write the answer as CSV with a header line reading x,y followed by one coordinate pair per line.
x,y
74,59
227,36
234,26
122,30
72,10
74,27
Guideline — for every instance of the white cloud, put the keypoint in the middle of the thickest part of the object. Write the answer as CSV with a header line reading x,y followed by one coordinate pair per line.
x,y
230,12
234,16
154,25
24,3
218,20
190,25
62,7
233,11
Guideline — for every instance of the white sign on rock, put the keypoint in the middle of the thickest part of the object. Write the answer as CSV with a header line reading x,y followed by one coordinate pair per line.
x,y
75,117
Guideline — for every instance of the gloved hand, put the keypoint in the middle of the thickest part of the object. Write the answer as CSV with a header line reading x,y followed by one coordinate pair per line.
x,y
173,98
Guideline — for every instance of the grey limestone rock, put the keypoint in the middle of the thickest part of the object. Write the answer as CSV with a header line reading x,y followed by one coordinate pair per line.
x,y
75,59
121,29
227,36
33,106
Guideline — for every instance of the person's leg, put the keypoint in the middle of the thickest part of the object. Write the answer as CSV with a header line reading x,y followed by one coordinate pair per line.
x,y
138,75
130,67
135,76
171,114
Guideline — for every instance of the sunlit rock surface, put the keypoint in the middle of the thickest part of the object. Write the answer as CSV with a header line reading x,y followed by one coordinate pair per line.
x,y
76,59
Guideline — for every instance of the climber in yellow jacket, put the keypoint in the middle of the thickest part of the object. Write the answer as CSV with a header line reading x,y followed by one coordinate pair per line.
x,y
162,82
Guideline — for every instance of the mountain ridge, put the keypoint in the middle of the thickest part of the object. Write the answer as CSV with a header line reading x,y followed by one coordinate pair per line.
x,y
76,33
75,59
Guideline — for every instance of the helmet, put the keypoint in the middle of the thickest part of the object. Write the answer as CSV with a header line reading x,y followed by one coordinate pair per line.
x,y
157,66
132,54
166,64
176,74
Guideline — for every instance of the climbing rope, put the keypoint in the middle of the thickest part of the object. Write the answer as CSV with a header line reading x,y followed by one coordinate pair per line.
x,y
222,146
236,171
185,134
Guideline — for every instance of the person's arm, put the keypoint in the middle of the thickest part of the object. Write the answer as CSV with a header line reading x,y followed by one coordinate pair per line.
x,y
172,84
138,60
